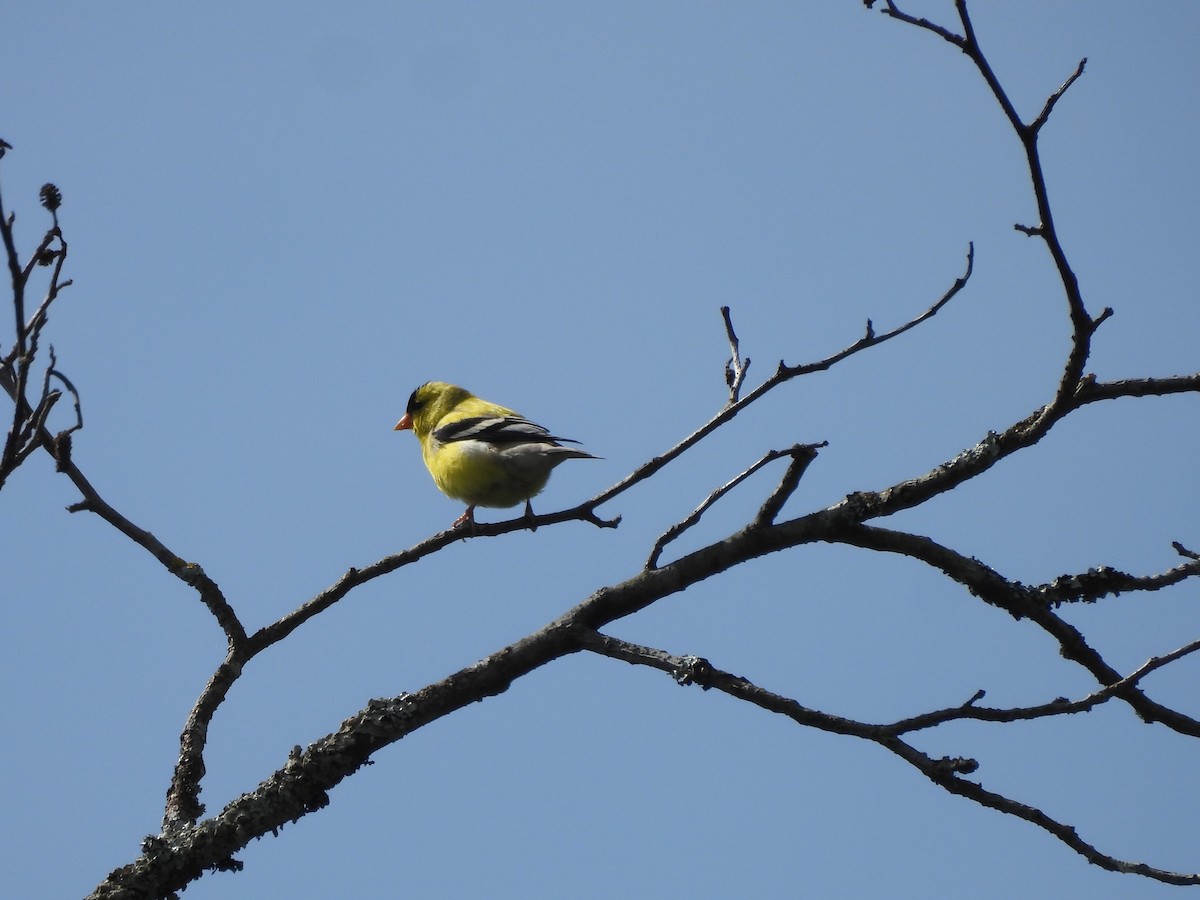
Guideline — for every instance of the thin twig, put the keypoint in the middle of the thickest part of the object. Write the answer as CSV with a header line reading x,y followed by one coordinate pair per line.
x,y
1052,100
946,772
946,34
802,456
987,584
736,367
1057,707
806,452
782,374
189,573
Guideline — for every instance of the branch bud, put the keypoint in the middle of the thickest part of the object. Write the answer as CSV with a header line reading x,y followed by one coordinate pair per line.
x,y
51,197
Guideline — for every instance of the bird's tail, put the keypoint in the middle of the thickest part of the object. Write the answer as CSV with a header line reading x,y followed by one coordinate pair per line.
x,y
564,453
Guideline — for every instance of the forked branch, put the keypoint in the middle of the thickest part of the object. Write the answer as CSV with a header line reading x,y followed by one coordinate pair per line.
x,y
946,772
190,846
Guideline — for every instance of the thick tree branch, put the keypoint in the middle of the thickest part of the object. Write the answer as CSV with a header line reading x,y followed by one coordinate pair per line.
x,y
1094,584
183,807
303,783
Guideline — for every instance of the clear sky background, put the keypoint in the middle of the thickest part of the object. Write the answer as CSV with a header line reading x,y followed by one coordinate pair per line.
x,y
283,218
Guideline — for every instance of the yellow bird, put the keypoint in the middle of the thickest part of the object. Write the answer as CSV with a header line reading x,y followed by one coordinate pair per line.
x,y
481,453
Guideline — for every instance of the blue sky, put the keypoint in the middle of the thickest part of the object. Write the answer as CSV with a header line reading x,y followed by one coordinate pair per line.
x,y
281,220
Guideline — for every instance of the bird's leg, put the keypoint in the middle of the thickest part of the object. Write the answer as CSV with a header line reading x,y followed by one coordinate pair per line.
x,y
529,515
468,518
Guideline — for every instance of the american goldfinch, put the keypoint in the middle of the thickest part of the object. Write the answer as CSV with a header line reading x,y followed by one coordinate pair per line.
x,y
481,453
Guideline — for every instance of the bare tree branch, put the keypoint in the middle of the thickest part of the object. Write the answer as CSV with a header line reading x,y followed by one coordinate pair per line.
x,y
736,367
800,455
188,846
1091,390
1020,602
1057,707
1103,581
946,772
1083,326
30,414
189,573
783,374
892,10
1184,551
1052,100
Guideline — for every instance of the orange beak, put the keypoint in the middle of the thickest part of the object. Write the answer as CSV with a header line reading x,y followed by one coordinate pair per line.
x,y
404,424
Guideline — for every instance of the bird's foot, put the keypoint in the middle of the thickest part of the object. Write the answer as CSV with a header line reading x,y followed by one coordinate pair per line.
x,y
467,518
